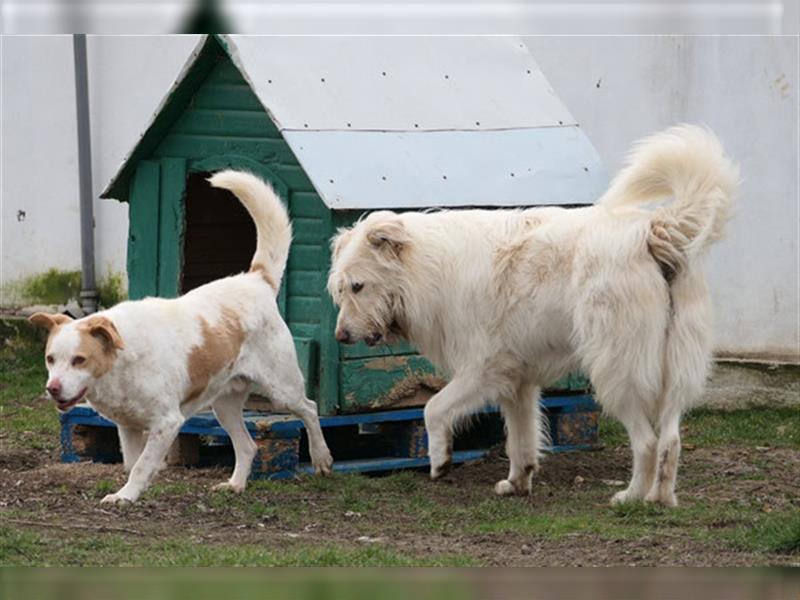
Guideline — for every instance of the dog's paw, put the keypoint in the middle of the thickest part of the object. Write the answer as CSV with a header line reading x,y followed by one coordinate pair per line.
x,y
227,486
505,487
666,499
439,471
626,495
116,500
323,465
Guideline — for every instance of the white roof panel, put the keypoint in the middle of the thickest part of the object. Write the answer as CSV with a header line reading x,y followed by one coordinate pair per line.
x,y
517,167
398,83
411,122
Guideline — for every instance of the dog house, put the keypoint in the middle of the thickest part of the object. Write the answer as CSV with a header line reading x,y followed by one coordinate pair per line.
x,y
340,126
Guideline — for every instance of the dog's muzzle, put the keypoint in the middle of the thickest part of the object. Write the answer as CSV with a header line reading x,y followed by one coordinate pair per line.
x,y
374,338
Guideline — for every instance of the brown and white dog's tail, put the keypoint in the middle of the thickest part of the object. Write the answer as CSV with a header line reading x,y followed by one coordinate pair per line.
x,y
687,163
273,228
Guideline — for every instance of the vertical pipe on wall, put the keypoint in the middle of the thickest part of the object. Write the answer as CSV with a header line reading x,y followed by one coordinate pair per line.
x,y
88,295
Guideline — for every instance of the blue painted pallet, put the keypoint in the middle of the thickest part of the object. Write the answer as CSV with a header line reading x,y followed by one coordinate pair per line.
x,y
382,441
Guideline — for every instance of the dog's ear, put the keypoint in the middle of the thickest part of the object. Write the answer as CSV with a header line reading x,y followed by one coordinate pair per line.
x,y
48,321
104,329
340,240
388,235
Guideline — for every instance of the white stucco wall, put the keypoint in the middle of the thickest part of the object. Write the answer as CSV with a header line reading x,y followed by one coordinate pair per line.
x,y
745,88
128,76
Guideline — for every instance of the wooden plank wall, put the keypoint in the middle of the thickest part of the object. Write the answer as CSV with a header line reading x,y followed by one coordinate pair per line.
x,y
224,117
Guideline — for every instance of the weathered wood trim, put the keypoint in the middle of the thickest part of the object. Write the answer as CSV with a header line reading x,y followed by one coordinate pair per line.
x,y
328,399
143,216
178,98
386,382
308,359
171,226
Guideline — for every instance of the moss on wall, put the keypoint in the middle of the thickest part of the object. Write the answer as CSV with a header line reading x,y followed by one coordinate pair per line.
x,y
55,286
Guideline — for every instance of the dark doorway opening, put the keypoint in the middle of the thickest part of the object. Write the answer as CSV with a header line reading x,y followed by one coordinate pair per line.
x,y
219,239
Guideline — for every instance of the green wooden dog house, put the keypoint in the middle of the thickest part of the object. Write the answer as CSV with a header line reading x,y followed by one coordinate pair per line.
x,y
340,126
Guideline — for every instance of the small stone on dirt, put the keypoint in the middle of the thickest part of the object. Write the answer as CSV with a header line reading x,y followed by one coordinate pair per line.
x,y
578,480
365,539
613,482
351,514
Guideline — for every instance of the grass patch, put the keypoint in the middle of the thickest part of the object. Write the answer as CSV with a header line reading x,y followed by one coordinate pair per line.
x,y
27,421
19,548
51,287
105,486
111,289
776,533
55,286
773,427
172,488
739,526
612,433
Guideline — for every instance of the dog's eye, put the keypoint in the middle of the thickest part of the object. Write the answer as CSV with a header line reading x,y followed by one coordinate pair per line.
x,y
50,359
78,360
356,287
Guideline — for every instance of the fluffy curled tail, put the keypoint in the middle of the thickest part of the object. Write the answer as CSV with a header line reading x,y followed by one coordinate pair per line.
x,y
273,227
686,163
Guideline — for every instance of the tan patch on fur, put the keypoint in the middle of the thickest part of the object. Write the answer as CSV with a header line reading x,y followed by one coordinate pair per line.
x,y
99,343
530,256
262,270
52,322
220,347
664,244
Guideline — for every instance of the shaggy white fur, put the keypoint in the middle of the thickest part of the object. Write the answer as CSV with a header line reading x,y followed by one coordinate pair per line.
x,y
150,364
507,301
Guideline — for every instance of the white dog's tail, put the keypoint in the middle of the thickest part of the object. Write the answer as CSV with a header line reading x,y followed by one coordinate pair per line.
x,y
273,228
689,164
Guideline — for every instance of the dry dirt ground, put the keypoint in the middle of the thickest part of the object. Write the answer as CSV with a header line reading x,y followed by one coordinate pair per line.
x,y
50,514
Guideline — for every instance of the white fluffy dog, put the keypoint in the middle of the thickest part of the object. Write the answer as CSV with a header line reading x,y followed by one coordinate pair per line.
x,y
148,365
508,301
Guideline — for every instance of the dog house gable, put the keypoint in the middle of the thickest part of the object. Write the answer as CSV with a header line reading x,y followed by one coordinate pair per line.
x,y
183,233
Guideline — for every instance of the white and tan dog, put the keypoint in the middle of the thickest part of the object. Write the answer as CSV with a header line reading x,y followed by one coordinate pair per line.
x,y
148,365
508,301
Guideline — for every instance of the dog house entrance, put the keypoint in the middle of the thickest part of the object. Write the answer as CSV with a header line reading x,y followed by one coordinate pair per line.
x,y
219,237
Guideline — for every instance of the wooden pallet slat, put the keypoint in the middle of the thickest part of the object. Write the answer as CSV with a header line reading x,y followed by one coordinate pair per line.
x,y
364,442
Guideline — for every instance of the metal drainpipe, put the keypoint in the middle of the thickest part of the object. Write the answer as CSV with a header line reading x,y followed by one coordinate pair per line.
x,y
88,295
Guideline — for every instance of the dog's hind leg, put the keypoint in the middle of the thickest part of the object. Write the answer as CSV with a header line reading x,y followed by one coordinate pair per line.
x,y
459,398
283,383
643,445
668,453
151,460
523,440
228,410
131,442
294,400
686,365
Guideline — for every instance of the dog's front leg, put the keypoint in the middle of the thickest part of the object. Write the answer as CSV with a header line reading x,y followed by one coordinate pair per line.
x,y
454,401
131,442
151,460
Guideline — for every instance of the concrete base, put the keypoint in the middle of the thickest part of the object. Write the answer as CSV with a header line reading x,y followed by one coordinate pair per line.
x,y
736,385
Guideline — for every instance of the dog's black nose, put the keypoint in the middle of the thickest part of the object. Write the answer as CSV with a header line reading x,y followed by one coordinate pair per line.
x,y
343,336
